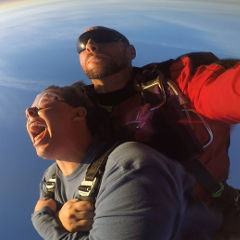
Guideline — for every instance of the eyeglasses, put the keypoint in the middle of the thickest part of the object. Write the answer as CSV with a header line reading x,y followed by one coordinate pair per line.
x,y
99,36
45,99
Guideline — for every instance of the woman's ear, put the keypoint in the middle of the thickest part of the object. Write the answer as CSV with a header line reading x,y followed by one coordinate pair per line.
x,y
80,113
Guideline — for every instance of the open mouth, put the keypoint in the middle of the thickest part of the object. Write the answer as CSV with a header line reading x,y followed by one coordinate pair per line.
x,y
38,131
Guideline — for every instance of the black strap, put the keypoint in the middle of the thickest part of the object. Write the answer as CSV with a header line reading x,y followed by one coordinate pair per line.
x,y
89,188
94,174
203,176
97,167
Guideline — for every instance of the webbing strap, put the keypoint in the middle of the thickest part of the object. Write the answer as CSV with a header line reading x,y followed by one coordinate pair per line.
x,y
50,186
203,176
89,187
91,183
192,164
94,169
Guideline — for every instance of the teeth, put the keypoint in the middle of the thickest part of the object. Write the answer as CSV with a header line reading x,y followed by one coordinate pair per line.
x,y
36,128
38,124
38,138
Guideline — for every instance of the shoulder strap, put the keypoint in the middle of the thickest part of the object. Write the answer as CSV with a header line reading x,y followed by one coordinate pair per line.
x,y
50,184
89,187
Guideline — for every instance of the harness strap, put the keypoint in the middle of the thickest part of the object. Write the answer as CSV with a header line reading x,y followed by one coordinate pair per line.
x,y
89,187
150,91
50,186
203,176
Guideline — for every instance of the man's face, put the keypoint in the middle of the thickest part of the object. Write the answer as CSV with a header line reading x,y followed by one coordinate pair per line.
x,y
49,125
101,60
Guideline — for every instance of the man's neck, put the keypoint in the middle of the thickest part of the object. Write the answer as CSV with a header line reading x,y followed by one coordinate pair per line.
x,y
112,83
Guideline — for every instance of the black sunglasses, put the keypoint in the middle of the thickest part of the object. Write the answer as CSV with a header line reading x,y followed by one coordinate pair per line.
x,y
99,36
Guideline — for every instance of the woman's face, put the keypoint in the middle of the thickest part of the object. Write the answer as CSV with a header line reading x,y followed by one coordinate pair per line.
x,y
50,125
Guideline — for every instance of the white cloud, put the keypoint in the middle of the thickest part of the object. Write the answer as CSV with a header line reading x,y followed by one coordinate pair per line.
x,y
37,15
42,12
35,23
14,82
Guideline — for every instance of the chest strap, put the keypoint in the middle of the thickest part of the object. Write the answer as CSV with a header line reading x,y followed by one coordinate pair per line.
x,y
89,187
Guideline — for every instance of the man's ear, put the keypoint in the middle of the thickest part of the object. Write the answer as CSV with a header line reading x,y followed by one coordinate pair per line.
x,y
80,113
132,51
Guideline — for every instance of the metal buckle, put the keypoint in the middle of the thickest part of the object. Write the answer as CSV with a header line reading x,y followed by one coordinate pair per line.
x,y
186,110
51,183
151,84
205,125
86,187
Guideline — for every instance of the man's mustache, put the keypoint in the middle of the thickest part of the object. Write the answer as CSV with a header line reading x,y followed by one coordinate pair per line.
x,y
95,55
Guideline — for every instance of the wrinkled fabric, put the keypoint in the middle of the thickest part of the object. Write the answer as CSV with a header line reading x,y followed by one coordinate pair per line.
x,y
143,195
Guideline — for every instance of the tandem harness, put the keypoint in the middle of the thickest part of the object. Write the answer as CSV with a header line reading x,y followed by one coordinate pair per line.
x,y
88,189
189,144
163,98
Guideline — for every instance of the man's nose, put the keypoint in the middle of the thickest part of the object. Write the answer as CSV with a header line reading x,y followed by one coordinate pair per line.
x,y
92,46
31,112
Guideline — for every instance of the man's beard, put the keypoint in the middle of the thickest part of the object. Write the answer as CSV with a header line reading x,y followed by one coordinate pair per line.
x,y
110,68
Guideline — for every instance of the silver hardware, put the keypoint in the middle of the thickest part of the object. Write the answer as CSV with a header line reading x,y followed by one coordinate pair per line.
x,y
184,103
208,129
86,187
51,183
159,83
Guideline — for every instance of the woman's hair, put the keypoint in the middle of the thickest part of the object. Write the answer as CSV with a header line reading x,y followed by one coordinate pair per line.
x,y
97,119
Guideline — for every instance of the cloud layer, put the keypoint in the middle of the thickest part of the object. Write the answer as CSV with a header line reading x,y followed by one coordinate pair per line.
x,y
13,82
30,26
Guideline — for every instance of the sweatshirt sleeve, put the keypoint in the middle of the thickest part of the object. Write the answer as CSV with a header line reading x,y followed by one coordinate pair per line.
x,y
49,228
144,195
44,220
214,89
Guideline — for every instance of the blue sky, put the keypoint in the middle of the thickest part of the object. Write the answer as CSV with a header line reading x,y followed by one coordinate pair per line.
x,y
37,49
